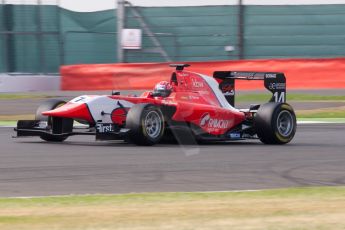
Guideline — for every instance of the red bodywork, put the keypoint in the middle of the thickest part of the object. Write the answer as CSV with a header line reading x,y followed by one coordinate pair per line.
x,y
193,100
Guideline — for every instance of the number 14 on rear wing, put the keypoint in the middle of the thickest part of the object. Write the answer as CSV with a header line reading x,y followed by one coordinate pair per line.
x,y
273,81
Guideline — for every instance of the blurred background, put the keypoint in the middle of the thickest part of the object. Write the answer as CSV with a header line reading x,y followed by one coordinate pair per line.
x,y
38,36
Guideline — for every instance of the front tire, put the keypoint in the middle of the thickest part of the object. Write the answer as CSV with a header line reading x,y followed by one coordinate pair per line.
x,y
275,123
146,124
61,123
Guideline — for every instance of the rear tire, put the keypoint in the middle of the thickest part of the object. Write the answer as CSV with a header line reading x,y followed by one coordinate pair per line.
x,y
50,105
275,123
146,124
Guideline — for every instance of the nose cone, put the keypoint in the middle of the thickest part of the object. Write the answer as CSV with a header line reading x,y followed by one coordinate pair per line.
x,y
71,110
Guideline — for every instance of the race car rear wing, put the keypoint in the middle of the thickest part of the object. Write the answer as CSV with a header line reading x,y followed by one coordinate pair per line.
x,y
274,82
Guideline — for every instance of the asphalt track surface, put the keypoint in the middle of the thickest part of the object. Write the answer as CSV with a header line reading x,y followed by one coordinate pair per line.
x,y
31,167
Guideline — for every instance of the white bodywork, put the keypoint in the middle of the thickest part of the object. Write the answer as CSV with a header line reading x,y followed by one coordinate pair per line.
x,y
215,88
99,104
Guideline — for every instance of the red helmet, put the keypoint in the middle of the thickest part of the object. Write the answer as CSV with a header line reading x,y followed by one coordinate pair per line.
x,y
163,89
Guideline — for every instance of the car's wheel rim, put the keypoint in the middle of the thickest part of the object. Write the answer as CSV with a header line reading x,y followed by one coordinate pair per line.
x,y
285,123
153,124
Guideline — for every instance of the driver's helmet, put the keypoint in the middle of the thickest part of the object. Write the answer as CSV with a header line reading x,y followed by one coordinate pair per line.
x,y
163,89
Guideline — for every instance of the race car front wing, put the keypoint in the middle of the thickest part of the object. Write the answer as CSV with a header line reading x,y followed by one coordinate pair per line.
x,y
27,128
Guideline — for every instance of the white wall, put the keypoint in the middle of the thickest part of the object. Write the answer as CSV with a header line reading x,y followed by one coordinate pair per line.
x,y
17,83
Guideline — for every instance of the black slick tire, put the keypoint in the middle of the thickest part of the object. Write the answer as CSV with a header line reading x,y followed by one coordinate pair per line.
x,y
275,123
146,124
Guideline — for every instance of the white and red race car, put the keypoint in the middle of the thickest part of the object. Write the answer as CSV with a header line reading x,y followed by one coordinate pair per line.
x,y
191,106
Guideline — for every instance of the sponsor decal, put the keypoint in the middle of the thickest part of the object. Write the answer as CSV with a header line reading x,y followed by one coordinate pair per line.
x,y
277,86
81,99
168,102
248,75
271,75
206,121
42,124
104,128
197,84
184,74
228,89
235,135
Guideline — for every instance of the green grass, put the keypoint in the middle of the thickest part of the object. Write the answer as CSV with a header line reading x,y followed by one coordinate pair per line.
x,y
313,97
98,199
8,123
23,96
296,208
263,97
322,114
